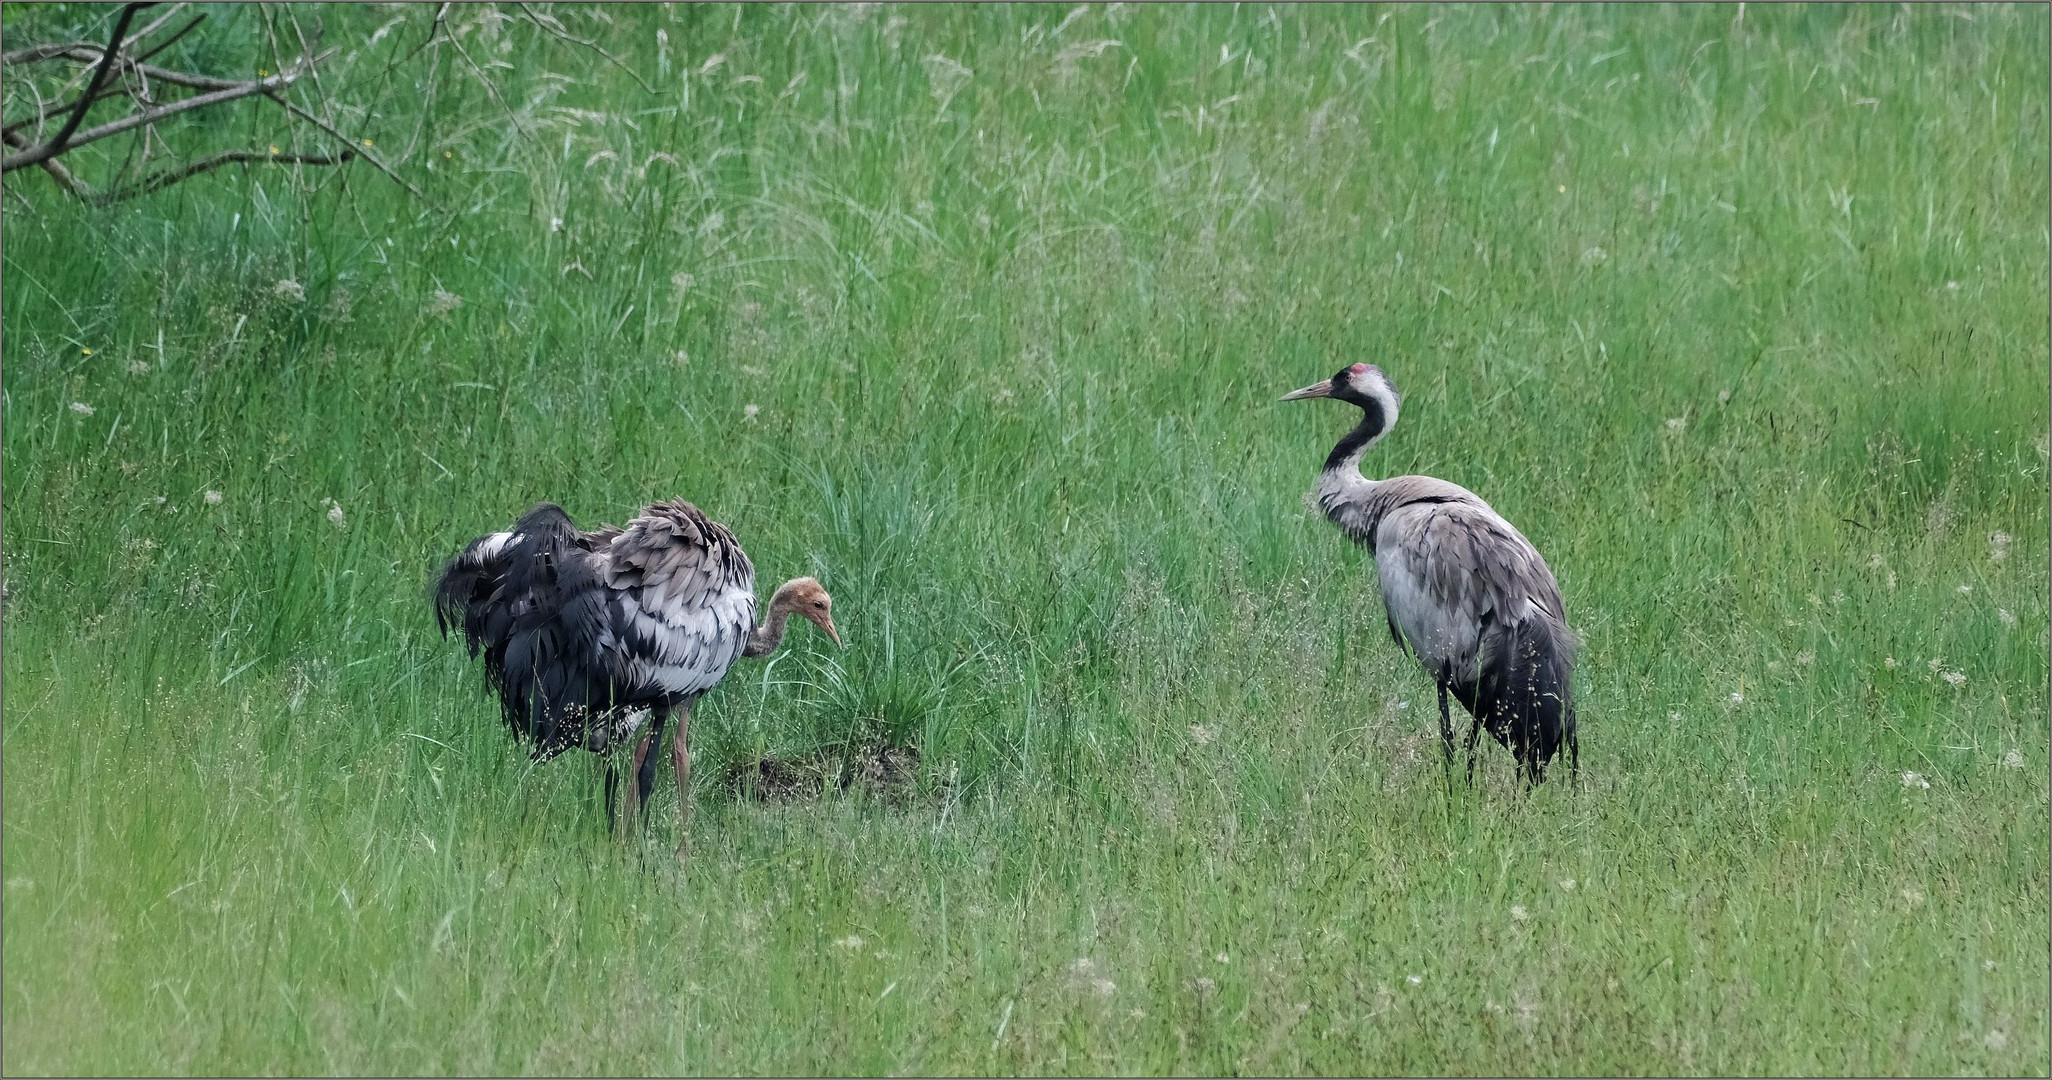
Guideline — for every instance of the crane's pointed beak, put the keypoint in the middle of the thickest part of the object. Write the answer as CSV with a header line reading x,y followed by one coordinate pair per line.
x,y
1322,388
832,633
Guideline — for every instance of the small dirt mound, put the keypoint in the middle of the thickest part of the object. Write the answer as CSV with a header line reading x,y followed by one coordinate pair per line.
x,y
773,779
888,772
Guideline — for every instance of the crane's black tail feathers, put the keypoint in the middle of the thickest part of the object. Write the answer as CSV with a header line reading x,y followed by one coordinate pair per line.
x,y
534,611
1524,692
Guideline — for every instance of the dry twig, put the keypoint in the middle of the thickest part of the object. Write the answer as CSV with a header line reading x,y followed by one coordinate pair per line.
x,y
115,56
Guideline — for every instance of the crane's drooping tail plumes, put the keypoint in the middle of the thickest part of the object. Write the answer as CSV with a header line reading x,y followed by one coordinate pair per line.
x,y
1522,691
527,599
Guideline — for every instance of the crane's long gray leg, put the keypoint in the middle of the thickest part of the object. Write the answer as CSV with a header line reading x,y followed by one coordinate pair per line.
x,y
645,762
641,776
1574,760
1445,727
680,759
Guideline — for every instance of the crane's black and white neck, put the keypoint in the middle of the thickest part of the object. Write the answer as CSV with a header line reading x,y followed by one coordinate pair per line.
x,y
1342,490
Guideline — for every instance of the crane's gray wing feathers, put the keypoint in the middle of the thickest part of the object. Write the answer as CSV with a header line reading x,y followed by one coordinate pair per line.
x,y
582,633
1479,607
683,600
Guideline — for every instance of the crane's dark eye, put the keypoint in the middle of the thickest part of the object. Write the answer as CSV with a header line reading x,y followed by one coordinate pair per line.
x,y
820,604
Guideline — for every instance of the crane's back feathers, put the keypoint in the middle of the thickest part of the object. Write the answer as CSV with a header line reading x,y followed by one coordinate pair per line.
x,y
582,632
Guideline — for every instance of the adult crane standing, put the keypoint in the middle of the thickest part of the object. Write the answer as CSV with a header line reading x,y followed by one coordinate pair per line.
x,y
590,637
1464,589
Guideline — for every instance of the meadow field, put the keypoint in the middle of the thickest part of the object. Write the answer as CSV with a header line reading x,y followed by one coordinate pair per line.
x,y
979,315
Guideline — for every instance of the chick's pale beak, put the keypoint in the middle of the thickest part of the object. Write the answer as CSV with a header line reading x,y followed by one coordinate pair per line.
x,y
827,624
1322,388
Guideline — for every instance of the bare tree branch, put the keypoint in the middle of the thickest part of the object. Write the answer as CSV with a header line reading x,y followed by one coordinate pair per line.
x,y
71,184
559,31
136,38
92,54
51,149
227,157
52,49
137,77
359,146
85,100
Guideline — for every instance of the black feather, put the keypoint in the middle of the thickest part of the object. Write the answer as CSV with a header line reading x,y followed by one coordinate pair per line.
x,y
535,610
1522,692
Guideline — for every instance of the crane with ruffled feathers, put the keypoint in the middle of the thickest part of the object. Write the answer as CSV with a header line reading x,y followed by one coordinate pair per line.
x,y
589,638
1461,588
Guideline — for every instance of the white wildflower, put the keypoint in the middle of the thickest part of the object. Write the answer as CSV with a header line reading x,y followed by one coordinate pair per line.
x,y
139,367
1936,663
852,943
290,291
1204,985
334,513
1568,884
81,408
1414,980
212,497
443,302
1954,679
1104,987
1998,546
1518,913
1677,423
1202,735
1915,780
1724,397
1996,1039
1952,286
1805,658
748,411
2013,760
1964,589
1223,958
1737,698
2007,616
1987,965
1593,255
1889,663
1912,896
555,224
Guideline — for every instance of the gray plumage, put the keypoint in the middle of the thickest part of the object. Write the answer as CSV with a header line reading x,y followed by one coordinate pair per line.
x,y
584,634
589,638
1462,588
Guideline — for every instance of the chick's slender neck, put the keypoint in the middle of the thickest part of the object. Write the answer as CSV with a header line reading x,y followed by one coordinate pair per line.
x,y
769,634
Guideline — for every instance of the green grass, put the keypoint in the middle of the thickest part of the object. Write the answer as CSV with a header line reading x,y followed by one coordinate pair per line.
x,y
1740,316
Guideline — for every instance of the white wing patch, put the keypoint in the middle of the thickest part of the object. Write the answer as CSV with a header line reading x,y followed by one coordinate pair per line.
x,y
490,546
